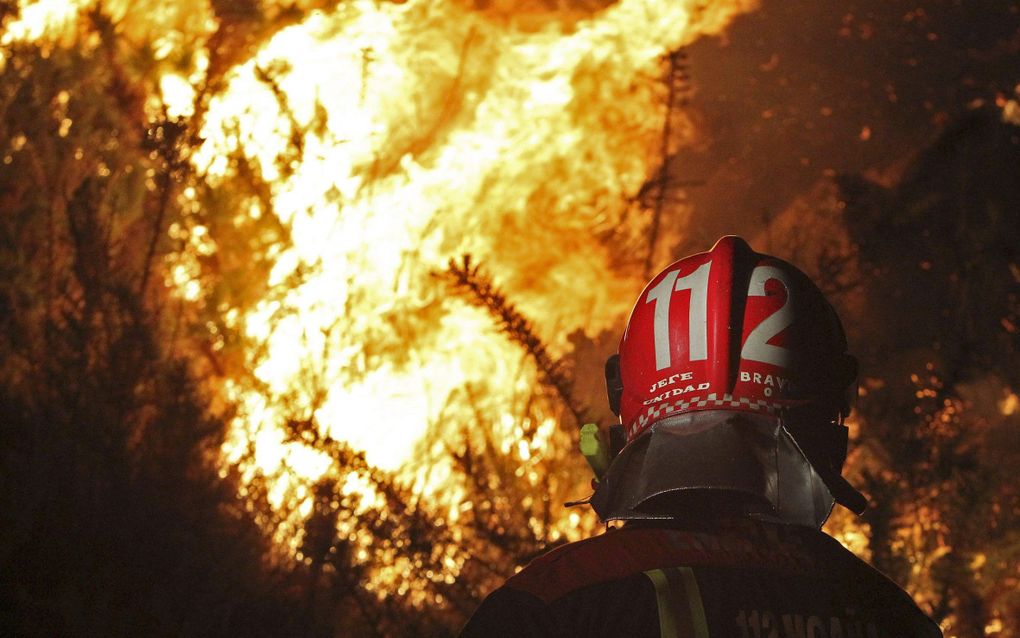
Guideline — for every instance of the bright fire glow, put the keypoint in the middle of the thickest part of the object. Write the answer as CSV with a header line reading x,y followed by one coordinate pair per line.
x,y
428,131
42,17
440,133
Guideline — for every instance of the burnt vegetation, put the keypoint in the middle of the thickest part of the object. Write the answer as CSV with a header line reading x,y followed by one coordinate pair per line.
x,y
942,301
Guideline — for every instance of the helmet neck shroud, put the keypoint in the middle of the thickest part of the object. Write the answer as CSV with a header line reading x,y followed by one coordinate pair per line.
x,y
716,463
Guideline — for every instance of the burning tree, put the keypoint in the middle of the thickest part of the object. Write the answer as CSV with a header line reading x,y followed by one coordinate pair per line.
x,y
117,517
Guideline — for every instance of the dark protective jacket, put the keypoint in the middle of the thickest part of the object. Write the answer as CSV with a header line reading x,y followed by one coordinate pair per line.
x,y
740,578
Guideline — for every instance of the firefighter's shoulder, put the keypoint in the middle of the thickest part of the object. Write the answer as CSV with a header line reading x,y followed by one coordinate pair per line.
x,y
577,589
637,548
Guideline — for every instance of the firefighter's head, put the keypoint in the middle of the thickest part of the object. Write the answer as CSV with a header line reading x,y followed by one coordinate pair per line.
x,y
731,382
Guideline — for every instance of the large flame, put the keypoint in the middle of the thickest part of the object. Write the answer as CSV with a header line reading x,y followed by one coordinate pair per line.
x,y
424,131
439,132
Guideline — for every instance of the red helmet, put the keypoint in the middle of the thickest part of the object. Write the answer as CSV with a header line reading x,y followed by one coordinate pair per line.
x,y
730,332
731,329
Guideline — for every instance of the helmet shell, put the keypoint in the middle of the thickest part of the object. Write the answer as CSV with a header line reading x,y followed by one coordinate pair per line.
x,y
730,329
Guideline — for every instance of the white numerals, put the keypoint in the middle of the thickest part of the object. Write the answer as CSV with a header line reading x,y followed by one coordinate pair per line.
x,y
661,295
697,315
757,346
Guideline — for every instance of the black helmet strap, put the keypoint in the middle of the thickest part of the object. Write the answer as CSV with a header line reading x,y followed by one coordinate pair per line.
x,y
614,383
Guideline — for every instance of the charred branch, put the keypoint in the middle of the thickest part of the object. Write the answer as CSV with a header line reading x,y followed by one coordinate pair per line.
x,y
677,92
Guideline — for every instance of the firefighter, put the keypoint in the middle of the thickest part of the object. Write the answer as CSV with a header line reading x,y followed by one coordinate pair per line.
x,y
731,383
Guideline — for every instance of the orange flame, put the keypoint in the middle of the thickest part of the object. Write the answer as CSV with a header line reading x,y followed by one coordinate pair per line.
x,y
426,130
439,133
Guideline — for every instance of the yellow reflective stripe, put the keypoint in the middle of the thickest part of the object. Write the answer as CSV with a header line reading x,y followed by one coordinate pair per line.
x,y
667,620
694,598
679,601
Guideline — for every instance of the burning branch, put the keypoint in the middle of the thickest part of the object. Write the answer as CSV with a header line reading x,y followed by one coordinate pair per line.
x,y
269,75
677,71
167,138
470,279
678,91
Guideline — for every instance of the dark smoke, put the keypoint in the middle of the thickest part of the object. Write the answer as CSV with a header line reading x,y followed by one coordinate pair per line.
x,y
803,90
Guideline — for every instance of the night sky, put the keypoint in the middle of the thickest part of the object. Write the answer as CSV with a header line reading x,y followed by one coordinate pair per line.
x,y
801,90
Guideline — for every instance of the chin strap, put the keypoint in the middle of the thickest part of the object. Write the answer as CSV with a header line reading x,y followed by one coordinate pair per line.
x,y
824,443
614,383
846,495
832,474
